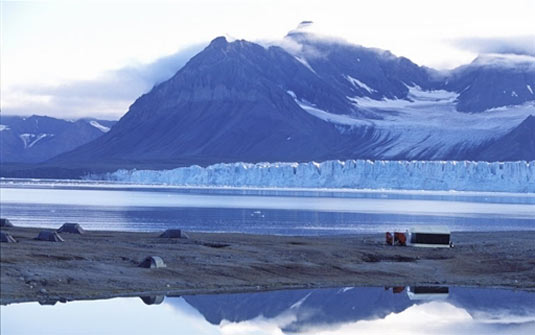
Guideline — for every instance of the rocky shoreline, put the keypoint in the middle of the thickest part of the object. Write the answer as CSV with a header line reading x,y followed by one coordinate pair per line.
x,y
104,264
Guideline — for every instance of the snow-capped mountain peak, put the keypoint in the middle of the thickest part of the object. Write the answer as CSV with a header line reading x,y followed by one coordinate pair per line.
x,y
313,98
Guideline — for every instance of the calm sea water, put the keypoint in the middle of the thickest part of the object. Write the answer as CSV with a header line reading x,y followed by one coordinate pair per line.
x,y
50,203
341,311
47,203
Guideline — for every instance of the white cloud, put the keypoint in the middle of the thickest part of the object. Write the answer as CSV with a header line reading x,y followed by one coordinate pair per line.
x,y
519,45
64,44
428,318
106,96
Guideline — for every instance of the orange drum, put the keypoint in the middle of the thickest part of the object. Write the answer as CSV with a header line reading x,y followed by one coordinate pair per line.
x,y
400,239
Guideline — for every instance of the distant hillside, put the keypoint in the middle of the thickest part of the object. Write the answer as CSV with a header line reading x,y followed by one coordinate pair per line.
x,y
38,138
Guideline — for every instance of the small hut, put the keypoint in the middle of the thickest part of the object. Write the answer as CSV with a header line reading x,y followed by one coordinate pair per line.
x,y
152,262
6,238
50,236
5,223
174,233
430,236
71,228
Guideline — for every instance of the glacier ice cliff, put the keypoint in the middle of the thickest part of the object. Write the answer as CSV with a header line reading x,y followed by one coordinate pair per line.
x,y
359,174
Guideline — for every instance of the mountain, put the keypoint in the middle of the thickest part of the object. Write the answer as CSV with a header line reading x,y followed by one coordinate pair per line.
x,y
38,138
301,309
226,104
312,98
317,310
493,81
518,144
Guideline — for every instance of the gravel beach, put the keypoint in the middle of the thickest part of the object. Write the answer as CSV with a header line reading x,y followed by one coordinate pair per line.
x,y
104,264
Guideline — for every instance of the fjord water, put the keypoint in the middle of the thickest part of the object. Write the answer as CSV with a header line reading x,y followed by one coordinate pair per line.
x,y
350,310
112,206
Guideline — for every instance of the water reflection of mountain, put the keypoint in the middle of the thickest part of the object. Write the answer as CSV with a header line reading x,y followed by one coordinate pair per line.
x,y
494,301
336,306
322,306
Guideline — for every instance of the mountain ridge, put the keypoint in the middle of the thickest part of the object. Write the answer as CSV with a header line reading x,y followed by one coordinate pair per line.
x,y
38,138
241,101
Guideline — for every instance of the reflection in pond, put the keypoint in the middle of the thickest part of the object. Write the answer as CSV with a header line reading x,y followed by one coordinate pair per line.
x,y
152,299
413,310
428,292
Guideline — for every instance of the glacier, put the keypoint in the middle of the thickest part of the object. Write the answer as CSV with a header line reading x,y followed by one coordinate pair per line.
x,y
425,120
354,174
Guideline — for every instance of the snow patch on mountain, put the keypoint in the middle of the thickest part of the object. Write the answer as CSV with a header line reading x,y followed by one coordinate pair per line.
x,y
26,138
529,88
356,174
305,63
100,127
3,127
300,301
30,140
359,84
340,119
417,99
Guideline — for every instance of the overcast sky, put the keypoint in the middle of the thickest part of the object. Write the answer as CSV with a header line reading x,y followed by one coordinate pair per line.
x,y
93,59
